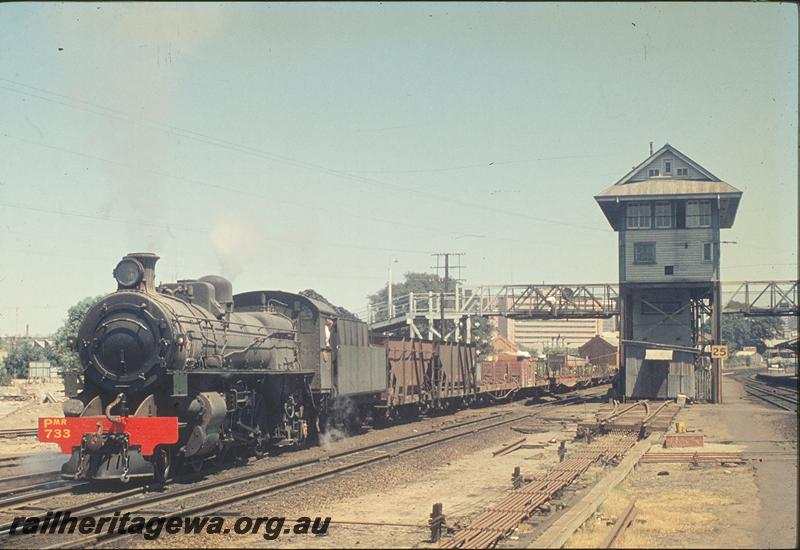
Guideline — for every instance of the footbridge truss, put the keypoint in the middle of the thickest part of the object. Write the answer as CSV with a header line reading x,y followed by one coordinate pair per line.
x,y
558,301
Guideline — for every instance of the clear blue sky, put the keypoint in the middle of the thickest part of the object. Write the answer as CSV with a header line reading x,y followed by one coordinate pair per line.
x,y
307,145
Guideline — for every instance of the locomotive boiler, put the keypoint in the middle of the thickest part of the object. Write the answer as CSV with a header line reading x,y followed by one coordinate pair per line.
x,y
172,374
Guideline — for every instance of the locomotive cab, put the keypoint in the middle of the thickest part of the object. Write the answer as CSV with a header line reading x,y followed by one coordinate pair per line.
x,y
349,372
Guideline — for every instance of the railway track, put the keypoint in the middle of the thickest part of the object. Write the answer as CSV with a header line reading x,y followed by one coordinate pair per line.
x,y
616,433
210,496
35,497
622,523
12,482
499,519
12,461
779,396
18,432
9,461
28,487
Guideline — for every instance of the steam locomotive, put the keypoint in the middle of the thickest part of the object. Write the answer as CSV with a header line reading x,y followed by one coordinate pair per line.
x,y
175,373
186,373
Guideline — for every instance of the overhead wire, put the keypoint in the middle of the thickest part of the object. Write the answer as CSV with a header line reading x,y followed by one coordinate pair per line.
x,y
244,149
197,229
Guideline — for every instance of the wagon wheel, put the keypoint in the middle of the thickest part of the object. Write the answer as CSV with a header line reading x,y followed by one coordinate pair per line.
x,y
380,417
352,423
423,406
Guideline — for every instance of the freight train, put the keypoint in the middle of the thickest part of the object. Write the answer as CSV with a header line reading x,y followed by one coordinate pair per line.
x,y
186,373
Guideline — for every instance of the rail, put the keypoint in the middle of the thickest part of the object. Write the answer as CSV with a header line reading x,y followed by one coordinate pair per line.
x,y
781,397
622,523
203,496
18,432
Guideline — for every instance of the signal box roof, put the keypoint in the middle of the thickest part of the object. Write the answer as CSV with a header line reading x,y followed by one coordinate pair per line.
x,y
646,182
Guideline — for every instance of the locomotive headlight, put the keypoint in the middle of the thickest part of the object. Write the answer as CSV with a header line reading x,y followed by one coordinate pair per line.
x,y
128,273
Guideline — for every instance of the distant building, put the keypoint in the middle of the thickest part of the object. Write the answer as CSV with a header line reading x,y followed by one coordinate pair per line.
x,y
610,325
503,348
556,333
775,343
601,350
748,356
789,326
41,370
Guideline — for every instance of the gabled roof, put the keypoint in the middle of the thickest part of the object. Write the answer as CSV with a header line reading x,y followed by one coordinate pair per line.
x,y
667,148
609,338
702,184
501,343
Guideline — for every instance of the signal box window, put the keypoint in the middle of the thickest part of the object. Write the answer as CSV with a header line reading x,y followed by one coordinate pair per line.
x,y
698,214
652,172
708,252
638,215
644,253
663,214
683,171
667,166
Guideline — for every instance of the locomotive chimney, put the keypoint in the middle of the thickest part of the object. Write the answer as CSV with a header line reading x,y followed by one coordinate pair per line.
x,y
137,271
148,261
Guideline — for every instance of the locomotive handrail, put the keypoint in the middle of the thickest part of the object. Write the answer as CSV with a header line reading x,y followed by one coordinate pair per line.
x,y
233,331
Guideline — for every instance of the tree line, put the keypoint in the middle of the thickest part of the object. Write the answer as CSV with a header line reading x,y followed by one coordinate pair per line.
x,y
22,353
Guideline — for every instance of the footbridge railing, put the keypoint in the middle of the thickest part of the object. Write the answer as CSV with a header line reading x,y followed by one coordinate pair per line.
x,y
564,301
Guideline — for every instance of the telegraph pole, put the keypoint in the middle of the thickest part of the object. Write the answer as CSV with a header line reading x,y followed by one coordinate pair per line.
x,y
444,289
16,328
436,381
437,267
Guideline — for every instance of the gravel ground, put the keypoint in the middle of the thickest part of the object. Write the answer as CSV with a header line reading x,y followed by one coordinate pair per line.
x,y
752,505
49,460
25,414
462,474
711,506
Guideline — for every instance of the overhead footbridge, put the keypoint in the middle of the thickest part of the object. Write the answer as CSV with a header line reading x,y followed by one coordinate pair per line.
x,y
557,301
